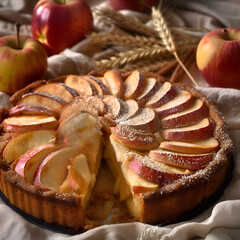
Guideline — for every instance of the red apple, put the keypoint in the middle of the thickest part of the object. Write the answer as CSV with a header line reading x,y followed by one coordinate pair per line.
x,y
22,62
218,58
136,5
59,24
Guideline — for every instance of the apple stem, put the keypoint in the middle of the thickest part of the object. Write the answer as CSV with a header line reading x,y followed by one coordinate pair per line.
x,y
18,25
185,69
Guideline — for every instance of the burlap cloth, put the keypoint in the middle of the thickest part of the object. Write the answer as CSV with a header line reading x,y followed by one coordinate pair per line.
x,y
220,221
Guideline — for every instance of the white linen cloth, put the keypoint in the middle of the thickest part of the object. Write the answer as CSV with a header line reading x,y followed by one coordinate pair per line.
x,y
219,222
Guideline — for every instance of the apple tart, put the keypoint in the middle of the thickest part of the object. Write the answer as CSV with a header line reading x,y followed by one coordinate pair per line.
x,y
134,142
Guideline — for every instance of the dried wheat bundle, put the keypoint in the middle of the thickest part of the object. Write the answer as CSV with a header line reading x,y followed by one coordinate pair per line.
x,y
131,56
165,34
125,22
124,40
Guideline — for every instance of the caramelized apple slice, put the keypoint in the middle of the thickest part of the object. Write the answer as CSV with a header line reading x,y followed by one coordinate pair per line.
x,y
101,88
80,85
192,115
42,99
190,161
80,129
133,139
79,179
15,147
146,121
31,110
27,164
21,124
204,146
182,101
131,109
116,107
155,171
53,169
76,106
115,83
60,90
199,131
150,87
134,85
164,94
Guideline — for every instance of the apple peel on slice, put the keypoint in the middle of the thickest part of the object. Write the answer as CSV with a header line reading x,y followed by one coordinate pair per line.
x,y
115,83
154,171
133,85
20,124
15,147
133,139
196,132
190,161
52,171
180,102
80,85
27,164
60,90
203,146
191,115
164,94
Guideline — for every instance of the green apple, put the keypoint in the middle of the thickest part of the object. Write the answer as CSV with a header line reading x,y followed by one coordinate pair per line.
x,y
23,60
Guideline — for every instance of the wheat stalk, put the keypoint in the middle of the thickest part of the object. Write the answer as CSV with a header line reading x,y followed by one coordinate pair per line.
x,y
123,40
126,22
131,56
165,34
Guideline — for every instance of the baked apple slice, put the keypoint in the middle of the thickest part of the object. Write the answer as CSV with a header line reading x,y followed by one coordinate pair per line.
x,y
27,164
191,115
15,147
165,93
196,132
20,124
190,161
133,139
31,110
114,83
79,179
52,171
60,90
203,146
150,87
80,85
131,109
42,99
116,107
80,129
155,171
181,102
146,121
100,87
134,85
77,105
